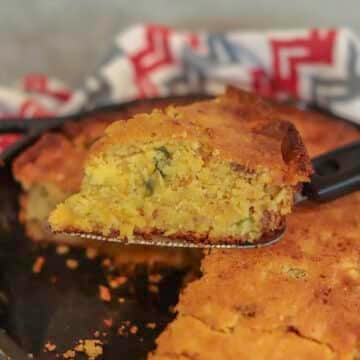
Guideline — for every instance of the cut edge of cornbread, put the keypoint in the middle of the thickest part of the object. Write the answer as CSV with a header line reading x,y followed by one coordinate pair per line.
x,y
203,173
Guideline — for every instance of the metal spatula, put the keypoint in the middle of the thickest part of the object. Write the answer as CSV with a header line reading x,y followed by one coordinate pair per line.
x,y
337,173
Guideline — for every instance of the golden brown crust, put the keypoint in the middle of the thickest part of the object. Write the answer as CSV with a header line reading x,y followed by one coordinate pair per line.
x,y
54,156
292,147
244,128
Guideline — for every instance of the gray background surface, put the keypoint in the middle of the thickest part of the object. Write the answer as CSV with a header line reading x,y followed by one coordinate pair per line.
x,y
67,38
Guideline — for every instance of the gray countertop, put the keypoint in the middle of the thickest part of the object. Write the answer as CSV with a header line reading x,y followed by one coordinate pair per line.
x,y
68,38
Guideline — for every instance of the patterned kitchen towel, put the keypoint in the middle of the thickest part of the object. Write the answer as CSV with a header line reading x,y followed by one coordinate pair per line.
x,y
317,66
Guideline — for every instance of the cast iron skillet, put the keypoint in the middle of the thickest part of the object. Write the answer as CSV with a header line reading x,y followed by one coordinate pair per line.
x,y
35,310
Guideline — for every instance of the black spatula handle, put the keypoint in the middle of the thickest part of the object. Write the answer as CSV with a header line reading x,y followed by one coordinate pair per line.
x,y
337,173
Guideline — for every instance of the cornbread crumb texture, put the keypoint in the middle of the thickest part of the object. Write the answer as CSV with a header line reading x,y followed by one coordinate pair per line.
x,y
207,172
298,299
217,201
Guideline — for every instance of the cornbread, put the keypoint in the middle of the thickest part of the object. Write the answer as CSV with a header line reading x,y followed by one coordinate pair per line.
x,y
223,170
51,170
298,299
309,309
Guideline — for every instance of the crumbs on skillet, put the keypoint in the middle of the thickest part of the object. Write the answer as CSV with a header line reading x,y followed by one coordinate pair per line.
x,y
108,291
104,293
92,348
108,322
155,278
49,346
115,282
62,249
91,253
72,264
38,264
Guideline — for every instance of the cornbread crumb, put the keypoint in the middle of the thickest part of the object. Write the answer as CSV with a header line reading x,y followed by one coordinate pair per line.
x,y
153,288
92,348
97,333
134,329
106,263
49,346
261,163
121,330
91,253
69,354
126,327
38,264
121,300
72,264
151,325
155,278
62,249
114,283
108,322
104,293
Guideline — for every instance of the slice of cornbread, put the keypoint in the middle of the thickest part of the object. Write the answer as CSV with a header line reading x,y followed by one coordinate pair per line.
x,y
223,170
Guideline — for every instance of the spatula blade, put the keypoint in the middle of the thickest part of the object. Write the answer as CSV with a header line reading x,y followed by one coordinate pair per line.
x,y
168,242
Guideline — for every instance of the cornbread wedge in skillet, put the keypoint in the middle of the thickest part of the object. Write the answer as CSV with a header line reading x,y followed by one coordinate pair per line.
x,y
298,299
223,170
